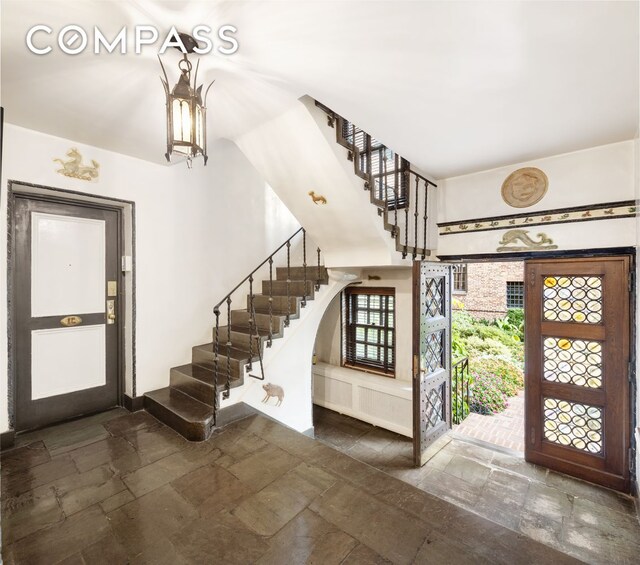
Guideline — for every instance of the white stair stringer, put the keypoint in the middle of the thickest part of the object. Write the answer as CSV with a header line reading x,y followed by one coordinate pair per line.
x,y
288,362
295,155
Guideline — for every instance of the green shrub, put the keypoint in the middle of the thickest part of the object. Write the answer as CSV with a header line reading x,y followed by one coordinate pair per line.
x,y
515,316
478,347
478,338
486,396
510,376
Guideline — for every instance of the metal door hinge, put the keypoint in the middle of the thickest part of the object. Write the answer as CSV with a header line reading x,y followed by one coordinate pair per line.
x,y
632,459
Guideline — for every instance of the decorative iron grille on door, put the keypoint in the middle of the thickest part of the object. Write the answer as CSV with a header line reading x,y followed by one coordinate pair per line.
x,y
577,416
432,355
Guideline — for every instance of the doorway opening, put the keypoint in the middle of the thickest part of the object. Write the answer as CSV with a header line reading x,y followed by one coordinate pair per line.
x,y
487,380
71,307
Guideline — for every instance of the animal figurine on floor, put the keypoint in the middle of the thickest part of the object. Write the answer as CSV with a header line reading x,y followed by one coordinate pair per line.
x,y
273,390
317,199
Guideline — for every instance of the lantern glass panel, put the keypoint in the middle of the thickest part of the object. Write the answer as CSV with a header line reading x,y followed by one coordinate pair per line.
x,y
199,126
181,120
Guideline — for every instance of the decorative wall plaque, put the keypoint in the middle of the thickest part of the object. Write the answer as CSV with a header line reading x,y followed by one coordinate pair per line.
x,y
524,187
74,167
519,240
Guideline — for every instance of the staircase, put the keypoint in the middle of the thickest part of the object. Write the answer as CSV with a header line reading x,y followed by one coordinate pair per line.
x,y
400,194
191,402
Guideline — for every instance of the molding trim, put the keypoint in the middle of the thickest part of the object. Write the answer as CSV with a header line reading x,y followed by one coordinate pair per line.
x,y
565,253
604,211
133,404
7,439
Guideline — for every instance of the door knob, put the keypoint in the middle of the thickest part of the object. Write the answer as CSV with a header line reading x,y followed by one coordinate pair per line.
x,y
111,311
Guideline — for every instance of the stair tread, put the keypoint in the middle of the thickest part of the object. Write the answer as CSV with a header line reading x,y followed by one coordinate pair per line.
x,y
205,375
246,329
184,406
235,353
266,312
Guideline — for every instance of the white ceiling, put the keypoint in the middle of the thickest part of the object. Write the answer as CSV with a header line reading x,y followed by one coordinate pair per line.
x,y
455,87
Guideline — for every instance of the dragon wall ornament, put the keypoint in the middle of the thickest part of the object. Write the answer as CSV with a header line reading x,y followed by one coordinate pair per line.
x,y
512,238
74,168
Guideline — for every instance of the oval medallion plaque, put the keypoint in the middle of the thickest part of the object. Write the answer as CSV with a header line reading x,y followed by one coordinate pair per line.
x,y
524,187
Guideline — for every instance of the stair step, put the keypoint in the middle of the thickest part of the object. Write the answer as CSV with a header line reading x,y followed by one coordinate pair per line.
x,y
296,288
197,382
262,321
279,303
297,274
241,336
203,356
188,416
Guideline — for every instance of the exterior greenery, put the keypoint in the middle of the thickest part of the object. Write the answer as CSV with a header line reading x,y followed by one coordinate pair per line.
x,y
496,359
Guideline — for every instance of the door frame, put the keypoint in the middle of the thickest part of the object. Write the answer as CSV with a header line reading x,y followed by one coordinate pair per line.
x,y
631,253
126,305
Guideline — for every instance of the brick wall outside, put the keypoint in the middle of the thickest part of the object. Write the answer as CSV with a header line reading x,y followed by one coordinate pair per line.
x,y
486,295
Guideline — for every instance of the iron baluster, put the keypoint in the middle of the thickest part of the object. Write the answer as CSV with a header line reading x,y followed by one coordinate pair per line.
x,y
406,216
384,176
252,322
270,339
368,154
318,273
261,377
424,239
415,221
288,319
396,180
304,267
216,351
227,386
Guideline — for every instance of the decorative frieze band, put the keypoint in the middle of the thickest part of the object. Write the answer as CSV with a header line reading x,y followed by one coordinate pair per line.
x,y
606,211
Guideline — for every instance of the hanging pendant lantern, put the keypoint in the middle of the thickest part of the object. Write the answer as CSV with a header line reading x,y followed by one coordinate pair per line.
x,y
186,110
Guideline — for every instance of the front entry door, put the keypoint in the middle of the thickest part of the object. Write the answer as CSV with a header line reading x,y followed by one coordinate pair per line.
x,y
65,311
577,418
431,355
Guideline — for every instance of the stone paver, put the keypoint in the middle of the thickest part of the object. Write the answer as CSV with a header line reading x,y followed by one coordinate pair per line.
x,y
123,488
591,523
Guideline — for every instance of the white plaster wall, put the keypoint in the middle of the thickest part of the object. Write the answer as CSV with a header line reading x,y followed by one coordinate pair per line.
x,y
328,346
598,174
198,232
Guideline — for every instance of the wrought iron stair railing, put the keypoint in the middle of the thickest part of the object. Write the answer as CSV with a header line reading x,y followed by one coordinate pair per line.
x,y
400,194
460,390
224,347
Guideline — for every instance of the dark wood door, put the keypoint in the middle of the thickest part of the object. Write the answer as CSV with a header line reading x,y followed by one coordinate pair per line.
x,y
577,418
431,355
65,305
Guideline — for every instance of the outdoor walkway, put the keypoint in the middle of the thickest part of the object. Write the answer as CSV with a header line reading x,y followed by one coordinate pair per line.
x,y
505,429
121,488
593,524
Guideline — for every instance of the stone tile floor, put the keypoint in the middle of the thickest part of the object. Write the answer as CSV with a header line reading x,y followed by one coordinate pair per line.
x,y
593,524
123,488
505,429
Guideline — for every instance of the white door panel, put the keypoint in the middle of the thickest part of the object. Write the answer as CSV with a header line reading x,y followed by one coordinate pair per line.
x,y
67,265
67,359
